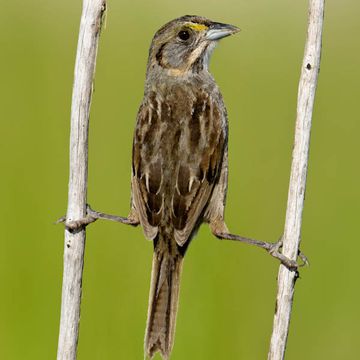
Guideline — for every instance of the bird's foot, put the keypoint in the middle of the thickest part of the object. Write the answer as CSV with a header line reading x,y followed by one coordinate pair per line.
x,y
92,216
274,249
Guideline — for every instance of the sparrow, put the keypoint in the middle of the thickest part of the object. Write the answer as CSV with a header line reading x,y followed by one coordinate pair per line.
x,y
179,165
179,160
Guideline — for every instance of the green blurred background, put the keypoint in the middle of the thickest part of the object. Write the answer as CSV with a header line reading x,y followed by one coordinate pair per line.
x,y
228,289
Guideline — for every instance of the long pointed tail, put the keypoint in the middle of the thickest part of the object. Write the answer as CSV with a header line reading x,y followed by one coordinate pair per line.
x,y
163,304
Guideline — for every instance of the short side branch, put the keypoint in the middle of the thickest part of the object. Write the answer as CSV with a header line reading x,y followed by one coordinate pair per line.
x,y
292,231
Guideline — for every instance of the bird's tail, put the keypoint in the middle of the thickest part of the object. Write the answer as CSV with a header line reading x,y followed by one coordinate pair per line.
x,y
163,303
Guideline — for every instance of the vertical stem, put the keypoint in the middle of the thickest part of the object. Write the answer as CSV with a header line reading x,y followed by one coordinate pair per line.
x,y
74,247
295,204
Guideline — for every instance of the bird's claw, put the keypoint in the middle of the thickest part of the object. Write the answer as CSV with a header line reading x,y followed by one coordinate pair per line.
x,y
74,225
275,251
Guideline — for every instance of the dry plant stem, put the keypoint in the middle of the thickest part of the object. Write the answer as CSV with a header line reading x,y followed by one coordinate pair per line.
x,y
292,231
91,21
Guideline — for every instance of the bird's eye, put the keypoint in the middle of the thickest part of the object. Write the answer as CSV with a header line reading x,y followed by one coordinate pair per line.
x,y
184,35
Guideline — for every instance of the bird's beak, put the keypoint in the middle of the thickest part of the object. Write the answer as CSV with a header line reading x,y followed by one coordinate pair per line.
x,y
218,31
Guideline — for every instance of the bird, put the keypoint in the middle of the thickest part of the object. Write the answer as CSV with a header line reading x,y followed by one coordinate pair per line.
x,y
179,173
179,160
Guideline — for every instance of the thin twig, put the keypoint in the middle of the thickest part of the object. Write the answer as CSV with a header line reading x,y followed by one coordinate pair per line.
x,y
292,230
91,21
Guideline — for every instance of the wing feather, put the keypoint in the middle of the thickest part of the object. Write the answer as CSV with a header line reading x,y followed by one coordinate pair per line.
x,y
178,151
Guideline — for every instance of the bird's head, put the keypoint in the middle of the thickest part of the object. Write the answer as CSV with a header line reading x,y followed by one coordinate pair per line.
x,y
185,44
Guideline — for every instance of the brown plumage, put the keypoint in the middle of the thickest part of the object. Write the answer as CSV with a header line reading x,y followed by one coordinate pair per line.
x,y
179,170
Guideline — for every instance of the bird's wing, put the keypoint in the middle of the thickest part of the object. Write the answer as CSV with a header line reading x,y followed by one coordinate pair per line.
x,y
177,155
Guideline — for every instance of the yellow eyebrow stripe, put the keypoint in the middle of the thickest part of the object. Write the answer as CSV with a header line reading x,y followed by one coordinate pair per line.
x,y
197,27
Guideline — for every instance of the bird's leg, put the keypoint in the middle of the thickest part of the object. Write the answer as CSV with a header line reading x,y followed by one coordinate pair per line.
x,y
273,249
92,216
